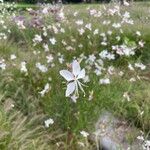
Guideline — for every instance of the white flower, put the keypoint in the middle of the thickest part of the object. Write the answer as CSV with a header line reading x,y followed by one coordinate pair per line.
x,y
49,58
141,43
45,46
138,33
61,59
126,96
111,56
45,90
104,81
60,15
75,14
73,78
92,58
45,10
62,30
74,98
23,67
140,65
48,122
80,46
140,138
147,145
103,34
41,67
118,38
103,54
130,67
93,12
12,57
109,32
111,70
98,72
132,80
2,64
91,95
88,26
64,42
55,29
141,113
126,3
116,25
96,31
37,38
86,79
84,134
52,40
20,24
79,22
126,15
121,73
81,31
124,50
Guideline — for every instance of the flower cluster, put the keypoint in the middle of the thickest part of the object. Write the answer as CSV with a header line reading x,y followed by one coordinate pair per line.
x,y
61,38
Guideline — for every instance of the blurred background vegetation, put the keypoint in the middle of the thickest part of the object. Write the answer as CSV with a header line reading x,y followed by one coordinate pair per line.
x,y
65,1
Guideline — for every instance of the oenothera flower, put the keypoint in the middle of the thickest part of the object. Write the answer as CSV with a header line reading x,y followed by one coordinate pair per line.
x,y
73,78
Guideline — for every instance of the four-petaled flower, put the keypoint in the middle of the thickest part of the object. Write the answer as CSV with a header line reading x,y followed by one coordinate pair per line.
x,y
73,78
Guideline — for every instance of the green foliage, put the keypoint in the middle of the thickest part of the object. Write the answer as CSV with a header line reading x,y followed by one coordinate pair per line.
x,y
22,126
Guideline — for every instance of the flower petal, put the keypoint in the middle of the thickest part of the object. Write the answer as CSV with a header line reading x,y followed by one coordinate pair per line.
x,y
76,67
70,89
81,75
67,75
